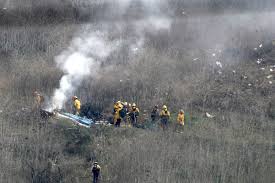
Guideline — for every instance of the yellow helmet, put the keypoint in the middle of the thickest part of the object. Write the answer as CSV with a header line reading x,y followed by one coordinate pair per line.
x,y
164,107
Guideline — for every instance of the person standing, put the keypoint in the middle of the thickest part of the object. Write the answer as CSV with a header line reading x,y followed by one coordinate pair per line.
x,y
117,118
180,121
76,105
38,100
96,172
180,118
164,117
123,112
154,113
134,113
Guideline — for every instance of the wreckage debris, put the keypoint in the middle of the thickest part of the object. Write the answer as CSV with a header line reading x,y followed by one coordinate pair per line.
x,y
269,76
77,119
46,114
209,115
135,49
219,64
259,61
183,12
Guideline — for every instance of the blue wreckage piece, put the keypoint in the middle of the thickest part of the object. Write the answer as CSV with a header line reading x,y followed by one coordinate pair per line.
x,y
81,120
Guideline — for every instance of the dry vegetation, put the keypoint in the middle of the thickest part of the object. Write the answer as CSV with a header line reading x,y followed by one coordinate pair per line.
x,y
236,146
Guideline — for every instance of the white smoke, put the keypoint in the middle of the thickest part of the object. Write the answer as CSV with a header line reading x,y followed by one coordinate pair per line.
x,y
80,60
76,67
84,56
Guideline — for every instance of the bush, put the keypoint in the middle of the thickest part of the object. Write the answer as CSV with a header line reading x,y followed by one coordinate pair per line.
x,y
78,139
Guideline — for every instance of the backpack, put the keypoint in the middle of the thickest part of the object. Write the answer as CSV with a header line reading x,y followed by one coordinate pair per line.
x,y
123,112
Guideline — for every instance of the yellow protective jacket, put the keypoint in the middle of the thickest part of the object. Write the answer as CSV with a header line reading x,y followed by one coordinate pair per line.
x,y
136,110
164,113
96,169
180,119
117,109
134,113
77,105
38,101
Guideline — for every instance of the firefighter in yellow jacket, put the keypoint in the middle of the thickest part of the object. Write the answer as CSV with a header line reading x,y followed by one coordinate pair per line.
x,y
96,172
164,117
38,100
117,118
76,105
134,113
180,118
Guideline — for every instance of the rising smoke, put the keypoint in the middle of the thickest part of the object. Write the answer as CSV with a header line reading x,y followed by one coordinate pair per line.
x,y
80,60
96,43
124,30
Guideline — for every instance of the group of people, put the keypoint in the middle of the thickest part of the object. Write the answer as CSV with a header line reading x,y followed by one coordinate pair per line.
x,y
129,113
124,112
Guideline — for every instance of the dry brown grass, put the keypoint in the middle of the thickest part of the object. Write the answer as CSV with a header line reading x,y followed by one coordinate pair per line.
x,y
236,146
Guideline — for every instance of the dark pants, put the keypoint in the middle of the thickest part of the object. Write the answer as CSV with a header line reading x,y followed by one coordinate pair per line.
x,y
134,121
95,178
164,123
118,123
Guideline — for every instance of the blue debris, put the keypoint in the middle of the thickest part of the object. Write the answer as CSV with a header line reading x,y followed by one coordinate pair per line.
x,y
82,120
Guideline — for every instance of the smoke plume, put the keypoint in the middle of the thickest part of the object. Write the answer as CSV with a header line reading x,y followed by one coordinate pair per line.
x,y
97,42
80,60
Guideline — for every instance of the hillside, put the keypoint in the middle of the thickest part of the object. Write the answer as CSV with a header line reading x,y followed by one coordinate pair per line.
x,y
203,57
